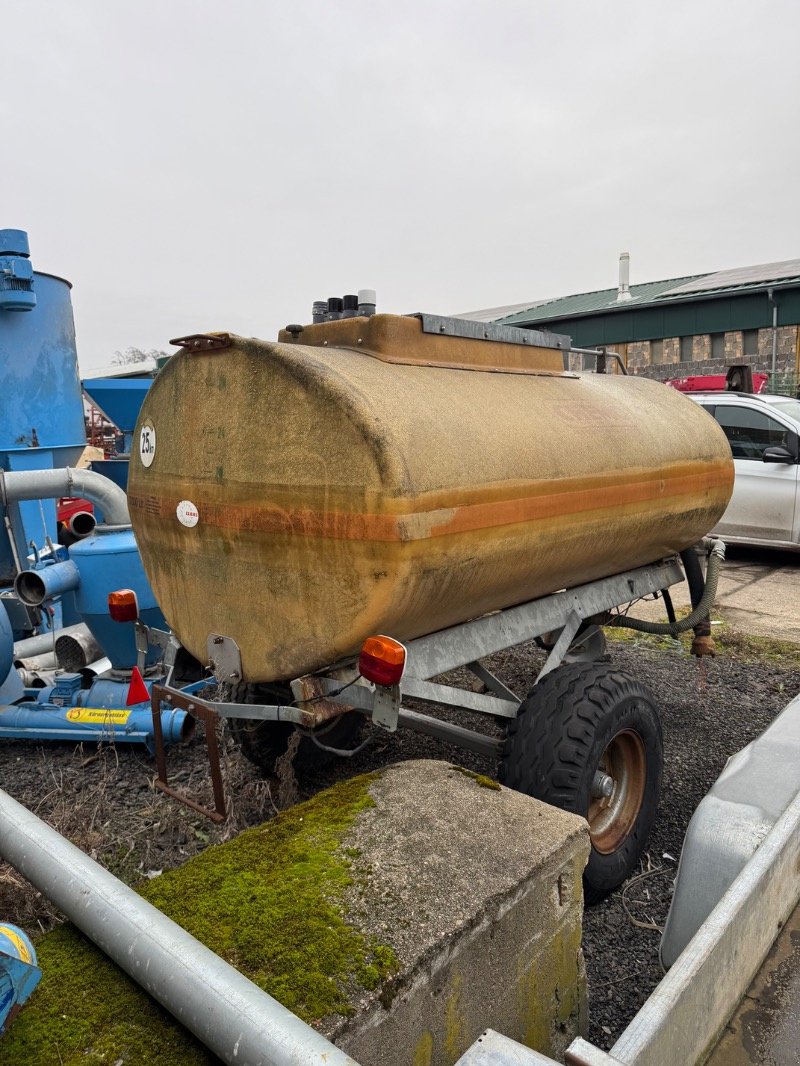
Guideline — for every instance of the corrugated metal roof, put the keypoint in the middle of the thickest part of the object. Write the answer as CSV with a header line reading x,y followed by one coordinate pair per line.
x,y
586,302
740,277
492,314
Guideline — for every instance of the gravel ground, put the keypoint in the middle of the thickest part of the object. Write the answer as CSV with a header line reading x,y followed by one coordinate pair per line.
x,y
106,803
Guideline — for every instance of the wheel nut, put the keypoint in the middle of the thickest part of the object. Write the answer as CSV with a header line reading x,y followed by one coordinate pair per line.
x,y
602,785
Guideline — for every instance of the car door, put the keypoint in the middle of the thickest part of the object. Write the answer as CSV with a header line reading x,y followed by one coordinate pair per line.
x,y
764,497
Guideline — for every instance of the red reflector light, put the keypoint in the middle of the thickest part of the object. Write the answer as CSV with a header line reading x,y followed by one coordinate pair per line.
x,y
123,605
382,660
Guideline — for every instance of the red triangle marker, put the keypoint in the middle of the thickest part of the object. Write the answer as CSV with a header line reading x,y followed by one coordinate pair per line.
x,y
137,691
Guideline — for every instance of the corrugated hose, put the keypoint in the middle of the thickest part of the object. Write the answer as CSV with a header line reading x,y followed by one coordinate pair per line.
x,y
716,556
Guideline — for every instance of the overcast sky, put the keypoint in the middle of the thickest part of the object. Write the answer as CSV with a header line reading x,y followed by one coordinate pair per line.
x,y
197,166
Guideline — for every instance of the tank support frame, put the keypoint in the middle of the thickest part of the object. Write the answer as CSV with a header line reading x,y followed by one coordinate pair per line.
x,y
340,689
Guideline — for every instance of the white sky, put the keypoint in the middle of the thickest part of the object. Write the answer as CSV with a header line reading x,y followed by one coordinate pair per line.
x,y
193,166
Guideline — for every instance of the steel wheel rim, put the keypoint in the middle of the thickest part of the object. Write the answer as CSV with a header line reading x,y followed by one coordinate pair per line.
x,y
612,818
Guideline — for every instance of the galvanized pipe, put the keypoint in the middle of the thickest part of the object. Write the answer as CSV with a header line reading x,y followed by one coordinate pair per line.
x,y
45,642
38,645
229,1014
45,661
93,670
66,481
74,651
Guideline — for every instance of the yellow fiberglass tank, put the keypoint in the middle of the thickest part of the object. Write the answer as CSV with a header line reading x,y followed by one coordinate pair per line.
x,y
381,475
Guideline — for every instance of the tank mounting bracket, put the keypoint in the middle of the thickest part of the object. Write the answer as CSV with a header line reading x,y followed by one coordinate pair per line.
x,y
491,331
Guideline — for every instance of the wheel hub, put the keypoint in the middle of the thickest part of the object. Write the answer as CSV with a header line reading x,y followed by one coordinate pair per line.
x,y
617,791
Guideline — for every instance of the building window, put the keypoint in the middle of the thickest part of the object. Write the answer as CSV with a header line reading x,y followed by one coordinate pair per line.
x,y
750,341
717,345
656,351
687,344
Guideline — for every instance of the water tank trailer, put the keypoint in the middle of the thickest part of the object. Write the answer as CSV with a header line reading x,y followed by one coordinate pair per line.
x,y
426,491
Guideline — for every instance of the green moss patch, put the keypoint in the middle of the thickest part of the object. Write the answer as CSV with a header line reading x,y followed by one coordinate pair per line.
x,y
480,779
268,902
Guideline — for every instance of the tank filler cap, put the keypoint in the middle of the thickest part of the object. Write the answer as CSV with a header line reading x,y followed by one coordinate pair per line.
x,y
16,272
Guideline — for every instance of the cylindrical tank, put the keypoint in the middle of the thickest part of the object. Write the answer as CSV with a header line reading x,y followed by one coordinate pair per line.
x,y
373,477
41,407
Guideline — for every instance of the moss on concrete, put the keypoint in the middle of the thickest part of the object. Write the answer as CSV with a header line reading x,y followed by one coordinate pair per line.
x,y
480,779
268,902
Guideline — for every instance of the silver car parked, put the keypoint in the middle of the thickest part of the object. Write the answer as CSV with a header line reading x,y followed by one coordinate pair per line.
x,y
764,434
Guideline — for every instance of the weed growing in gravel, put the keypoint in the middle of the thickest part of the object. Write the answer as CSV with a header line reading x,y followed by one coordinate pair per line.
x,y
729,641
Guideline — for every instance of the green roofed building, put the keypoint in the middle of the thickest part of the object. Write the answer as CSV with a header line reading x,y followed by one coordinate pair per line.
x,y
681,326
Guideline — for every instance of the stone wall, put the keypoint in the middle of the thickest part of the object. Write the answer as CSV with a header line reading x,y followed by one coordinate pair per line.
x,y
640,360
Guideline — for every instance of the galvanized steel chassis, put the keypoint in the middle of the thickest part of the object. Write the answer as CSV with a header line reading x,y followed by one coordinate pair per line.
x,y
324,695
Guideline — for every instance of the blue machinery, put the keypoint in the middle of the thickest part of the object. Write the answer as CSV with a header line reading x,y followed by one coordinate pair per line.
x,y
44,584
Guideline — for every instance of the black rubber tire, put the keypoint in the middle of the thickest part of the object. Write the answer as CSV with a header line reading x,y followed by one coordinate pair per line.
x,y
262,743
555,746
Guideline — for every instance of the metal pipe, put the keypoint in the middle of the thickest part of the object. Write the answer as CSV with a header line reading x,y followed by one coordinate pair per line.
x,y
44,661
774,303
227,1012
95,669
38,645
44,642
74,651
33,587
624,287
80,525
66,481
37,678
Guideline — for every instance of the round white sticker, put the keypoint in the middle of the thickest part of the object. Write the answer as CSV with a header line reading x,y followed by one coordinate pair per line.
x,y
187,513
147,443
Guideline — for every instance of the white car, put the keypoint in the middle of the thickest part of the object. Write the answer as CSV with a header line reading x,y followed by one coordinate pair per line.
x,y
764,434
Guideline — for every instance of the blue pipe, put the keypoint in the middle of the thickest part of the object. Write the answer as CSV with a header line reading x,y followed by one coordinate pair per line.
x,y
33,587
37,721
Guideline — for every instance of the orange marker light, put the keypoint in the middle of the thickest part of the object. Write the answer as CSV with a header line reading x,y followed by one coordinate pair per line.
x,y
382,660
123,605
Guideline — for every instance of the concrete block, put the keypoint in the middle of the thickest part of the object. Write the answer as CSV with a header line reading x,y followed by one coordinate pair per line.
x,y
477,889
401,913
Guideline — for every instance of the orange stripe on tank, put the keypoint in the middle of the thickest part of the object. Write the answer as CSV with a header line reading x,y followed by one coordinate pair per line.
x,y
584,496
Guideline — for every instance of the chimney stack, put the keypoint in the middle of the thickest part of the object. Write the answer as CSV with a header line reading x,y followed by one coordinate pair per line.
x,y
624,289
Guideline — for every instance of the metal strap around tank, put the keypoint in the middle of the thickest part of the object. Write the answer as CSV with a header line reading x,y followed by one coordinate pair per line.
x,y
449,648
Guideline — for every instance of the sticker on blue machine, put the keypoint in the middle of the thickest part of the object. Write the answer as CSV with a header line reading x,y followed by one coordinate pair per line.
x,y
187,512
147,443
